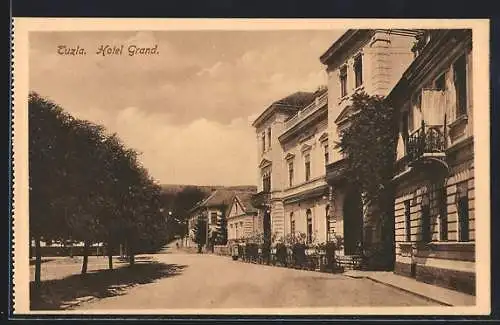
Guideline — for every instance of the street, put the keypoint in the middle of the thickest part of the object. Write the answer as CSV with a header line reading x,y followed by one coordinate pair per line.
x,y
209,281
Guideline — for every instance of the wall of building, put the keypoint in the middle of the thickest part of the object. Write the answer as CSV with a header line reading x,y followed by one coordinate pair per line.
x,y
242,226
273,152
450,262
299,210
385,58
446,261
316,154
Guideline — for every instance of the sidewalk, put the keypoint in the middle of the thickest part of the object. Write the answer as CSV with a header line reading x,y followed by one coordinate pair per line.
x,y
435,293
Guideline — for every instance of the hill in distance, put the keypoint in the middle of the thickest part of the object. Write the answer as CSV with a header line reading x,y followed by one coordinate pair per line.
x,y
176,188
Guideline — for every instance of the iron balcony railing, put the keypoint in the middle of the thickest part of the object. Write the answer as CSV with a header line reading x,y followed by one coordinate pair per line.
x,y
426,140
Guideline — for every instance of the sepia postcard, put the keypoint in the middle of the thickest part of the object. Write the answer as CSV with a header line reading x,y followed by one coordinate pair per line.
x,y
251,166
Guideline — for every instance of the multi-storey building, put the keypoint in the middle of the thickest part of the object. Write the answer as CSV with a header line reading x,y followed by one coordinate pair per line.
x,y
273,167
360,60
434,204
304,142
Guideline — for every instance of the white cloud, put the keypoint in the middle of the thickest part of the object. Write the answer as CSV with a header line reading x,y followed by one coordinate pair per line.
x,y
201,152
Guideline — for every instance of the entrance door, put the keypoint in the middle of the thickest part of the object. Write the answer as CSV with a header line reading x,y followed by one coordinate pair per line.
x,y
353,222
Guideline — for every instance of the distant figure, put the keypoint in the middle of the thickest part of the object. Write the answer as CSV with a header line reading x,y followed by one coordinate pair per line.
x,y
177,245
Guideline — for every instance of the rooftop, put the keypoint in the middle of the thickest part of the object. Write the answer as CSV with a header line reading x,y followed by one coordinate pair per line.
x,y
290,104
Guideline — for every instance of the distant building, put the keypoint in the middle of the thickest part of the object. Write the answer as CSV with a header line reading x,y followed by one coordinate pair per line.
x,y
243,219
212,210
434,218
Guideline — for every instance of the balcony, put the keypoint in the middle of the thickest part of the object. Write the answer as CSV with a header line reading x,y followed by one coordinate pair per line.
x,y
335,172
261,199
315,111
427,141
315,187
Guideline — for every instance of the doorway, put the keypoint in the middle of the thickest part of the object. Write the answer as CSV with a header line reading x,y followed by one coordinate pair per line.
x,y
353,222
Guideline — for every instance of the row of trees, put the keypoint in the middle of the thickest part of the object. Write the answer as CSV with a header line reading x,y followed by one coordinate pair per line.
x,y
86,186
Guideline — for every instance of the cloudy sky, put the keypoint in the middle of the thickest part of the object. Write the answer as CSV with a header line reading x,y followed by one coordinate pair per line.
x,y
188,109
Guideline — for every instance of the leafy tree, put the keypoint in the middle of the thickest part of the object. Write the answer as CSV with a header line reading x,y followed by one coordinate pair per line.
x,y
46,156
200,232
86,186
220,234
369,143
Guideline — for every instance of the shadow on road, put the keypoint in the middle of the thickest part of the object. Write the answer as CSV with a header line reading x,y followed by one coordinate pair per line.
x,y
44,260
73,290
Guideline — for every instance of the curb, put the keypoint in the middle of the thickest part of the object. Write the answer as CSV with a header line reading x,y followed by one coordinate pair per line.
x,y
401,289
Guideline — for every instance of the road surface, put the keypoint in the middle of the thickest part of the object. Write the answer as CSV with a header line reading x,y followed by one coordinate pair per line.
x,y
209,281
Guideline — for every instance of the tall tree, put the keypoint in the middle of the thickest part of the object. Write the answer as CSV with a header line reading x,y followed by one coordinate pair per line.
x,y
369,143
46,156
200,232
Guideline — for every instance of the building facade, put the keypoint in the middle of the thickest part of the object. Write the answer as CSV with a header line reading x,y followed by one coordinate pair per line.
x,y
243,219
370,61
272,169
304,195
211,211
434,204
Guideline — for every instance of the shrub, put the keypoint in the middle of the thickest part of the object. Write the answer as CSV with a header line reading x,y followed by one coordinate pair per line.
x,y
281,254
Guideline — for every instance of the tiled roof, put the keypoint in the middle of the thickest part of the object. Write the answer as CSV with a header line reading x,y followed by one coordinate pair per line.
x,y
298,99
246,200
221,197
290,104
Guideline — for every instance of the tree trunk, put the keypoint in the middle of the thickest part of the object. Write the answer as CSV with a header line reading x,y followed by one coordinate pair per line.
x,y
110,257
85,256
38,262
131,254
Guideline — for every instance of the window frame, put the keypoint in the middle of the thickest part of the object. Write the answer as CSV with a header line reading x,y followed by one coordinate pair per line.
x,y
407,220
461,106
463,215
358,70
290,173
343,81
307,167
309,226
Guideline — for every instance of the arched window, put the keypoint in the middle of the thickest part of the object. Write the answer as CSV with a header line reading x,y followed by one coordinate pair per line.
x,y
292,224
309,226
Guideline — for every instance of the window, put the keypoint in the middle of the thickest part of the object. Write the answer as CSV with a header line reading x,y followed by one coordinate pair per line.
x,y
309,226
343,81
460,82
358,70
213,218
266,183
263,141
292,224
269,138
308,167
404,129
407,221
463,211
443,214
327,155
290,174
440,83
425,221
